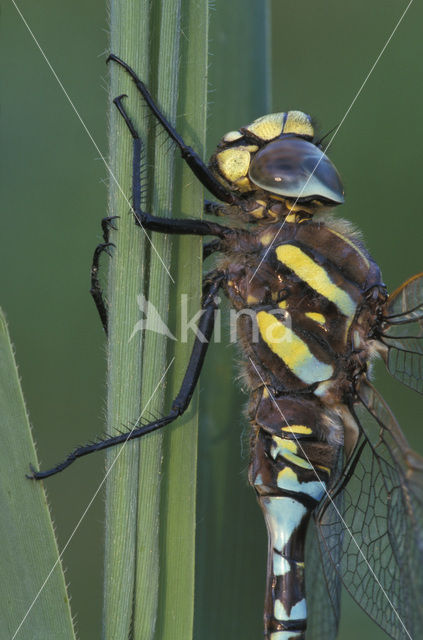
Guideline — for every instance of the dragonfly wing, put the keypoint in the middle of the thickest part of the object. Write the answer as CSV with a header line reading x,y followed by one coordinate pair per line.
x,y
323,584
381,526
402,333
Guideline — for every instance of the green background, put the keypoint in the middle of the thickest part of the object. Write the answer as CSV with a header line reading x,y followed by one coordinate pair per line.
x,y
53,188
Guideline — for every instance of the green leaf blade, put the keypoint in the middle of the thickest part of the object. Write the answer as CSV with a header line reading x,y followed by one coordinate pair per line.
x,y
34,604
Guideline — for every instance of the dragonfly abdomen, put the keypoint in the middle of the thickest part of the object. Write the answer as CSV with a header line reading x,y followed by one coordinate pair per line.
x,y
289,485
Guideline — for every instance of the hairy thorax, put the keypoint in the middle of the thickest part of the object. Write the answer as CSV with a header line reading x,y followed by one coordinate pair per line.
x,y
307,296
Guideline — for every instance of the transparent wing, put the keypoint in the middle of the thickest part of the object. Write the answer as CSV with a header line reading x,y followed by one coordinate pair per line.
x,y
323,584
381,526
402,333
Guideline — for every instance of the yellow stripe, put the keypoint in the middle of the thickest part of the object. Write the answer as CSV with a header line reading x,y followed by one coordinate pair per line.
x,y
315,276
351,243
292,350
287,449
299,462
297,428
282,443
317,317
320,466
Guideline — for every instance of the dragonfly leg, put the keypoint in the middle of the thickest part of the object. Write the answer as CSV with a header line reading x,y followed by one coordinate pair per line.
x,y
182,400
214,208
95,290
155,223
193,160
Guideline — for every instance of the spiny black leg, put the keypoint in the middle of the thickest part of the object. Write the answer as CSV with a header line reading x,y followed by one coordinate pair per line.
x,y
163,225
182,400
193,160
103,247
108,223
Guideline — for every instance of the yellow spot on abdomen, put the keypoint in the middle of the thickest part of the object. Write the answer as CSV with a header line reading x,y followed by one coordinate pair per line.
x,y
287,474
320,466
292,350
300,462
315,276
287,449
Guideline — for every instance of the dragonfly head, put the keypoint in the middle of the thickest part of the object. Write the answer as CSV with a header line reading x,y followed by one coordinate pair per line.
x,y
275,158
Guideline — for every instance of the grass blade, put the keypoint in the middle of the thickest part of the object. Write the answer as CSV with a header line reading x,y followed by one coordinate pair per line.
x,y
34,604
144,572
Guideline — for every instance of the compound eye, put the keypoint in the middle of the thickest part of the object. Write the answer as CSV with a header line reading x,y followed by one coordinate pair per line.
x,y
295,168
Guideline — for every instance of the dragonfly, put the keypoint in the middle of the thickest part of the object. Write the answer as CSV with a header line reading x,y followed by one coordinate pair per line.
x,y
339,486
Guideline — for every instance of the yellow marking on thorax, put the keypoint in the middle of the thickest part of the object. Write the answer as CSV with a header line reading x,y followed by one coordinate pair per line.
x,y
292,350
267,238
283,304
291,217
259,210
297,428
317,317
351,243
252,299
316,277
243,184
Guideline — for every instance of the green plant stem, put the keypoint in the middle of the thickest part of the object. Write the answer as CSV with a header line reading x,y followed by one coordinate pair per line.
x,y
149,565
129,37
180,469
166,25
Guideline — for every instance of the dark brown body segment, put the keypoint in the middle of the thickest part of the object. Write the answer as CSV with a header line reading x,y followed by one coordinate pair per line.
x,y
307,298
